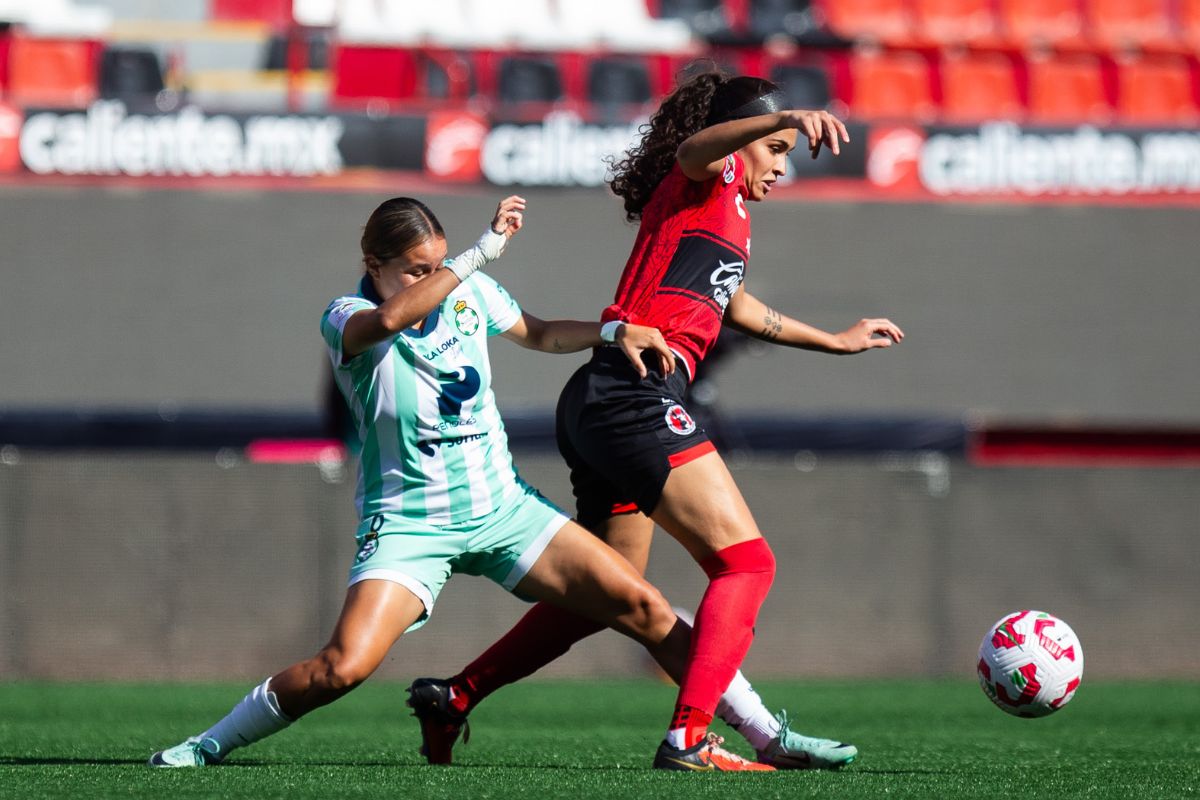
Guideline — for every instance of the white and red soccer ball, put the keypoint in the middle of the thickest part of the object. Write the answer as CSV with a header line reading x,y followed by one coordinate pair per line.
x,y
1030,663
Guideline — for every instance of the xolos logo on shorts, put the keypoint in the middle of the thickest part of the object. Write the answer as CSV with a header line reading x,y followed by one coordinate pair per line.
x,y
680,421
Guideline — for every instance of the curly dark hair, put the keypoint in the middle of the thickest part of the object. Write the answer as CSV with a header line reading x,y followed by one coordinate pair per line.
x,y
704,100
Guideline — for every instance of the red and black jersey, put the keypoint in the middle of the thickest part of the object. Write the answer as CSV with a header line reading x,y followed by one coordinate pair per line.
x,y
689,258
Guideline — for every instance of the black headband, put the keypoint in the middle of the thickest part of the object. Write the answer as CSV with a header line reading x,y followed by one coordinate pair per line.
x,y
769,103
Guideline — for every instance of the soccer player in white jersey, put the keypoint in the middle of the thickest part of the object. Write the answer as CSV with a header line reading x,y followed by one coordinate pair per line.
x,y
437,491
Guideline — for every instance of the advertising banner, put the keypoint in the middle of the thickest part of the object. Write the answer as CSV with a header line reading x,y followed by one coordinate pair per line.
x,y
901,162
1002,159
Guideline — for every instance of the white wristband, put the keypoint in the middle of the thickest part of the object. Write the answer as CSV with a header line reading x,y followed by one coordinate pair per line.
x,y
488,248
608,331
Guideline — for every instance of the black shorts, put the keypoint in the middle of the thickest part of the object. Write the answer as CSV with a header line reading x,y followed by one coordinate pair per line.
x,y
622,435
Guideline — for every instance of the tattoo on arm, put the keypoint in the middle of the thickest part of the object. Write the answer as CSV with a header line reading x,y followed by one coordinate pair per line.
x,y
558,345
772,325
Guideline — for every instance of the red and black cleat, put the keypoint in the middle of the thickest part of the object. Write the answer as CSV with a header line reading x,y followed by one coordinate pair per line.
x,y
441,723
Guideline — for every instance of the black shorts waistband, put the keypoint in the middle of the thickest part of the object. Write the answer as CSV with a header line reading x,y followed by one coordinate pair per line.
x,y
613,359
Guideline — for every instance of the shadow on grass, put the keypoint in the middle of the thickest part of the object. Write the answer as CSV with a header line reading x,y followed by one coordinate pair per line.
x,y
12,761
19,761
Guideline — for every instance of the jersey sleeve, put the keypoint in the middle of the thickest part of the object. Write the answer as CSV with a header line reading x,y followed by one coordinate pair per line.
x,y
333,324
501,309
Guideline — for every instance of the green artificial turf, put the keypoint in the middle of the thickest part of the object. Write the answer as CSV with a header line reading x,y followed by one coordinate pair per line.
x,y
917,739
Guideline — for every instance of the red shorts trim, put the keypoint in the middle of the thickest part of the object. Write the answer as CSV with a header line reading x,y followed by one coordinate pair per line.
x,y
624,508
691,454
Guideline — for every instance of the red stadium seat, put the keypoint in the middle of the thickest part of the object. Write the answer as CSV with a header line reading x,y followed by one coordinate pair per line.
x,y
1156,91
363,73
1067,90
1189,22
979,87
891,86
1041,22
53,72
272,12
955,21
886,21
5,43
1119,24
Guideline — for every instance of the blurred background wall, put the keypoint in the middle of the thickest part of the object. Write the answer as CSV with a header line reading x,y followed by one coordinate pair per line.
x,y
182,187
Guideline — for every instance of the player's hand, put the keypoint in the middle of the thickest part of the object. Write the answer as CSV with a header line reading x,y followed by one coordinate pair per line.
x,y
509,216
867,334
820,128
636,339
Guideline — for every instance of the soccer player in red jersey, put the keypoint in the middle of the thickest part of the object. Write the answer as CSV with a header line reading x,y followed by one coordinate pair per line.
x,y
636,455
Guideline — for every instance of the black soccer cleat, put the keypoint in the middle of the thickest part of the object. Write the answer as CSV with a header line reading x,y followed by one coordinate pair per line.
x,y
706,755
429,698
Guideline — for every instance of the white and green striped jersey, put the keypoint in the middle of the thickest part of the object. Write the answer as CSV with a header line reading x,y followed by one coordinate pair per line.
x,y
433,443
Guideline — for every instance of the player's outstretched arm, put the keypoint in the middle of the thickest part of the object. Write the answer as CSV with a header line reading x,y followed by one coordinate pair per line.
x,y
751,316
701,156
571,336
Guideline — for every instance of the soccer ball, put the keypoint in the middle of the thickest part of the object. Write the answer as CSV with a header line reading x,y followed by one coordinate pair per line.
x,y
1030,663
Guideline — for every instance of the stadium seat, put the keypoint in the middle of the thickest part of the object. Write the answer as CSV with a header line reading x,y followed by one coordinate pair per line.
x,y
315,13
1067,90
366,22
706,18
978,87
5,44
1121,24
616,82
1035,23
446,75
64,19
364,72
806,85
955,21
625,25
1158,91
131,74
273,12
528,79
891,86
794,18
1189,23
52,72
887,21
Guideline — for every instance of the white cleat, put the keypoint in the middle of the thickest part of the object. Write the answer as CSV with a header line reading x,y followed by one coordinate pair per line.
x,y
195,752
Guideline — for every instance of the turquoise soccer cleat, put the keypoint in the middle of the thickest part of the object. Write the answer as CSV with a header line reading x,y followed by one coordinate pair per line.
x,y
790,750
195,752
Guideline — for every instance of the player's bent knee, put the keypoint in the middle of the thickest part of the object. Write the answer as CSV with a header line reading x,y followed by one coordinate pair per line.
x,y
339,673
650,615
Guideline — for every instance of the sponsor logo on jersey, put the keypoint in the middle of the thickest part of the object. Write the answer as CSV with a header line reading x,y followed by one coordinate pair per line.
x,y
725,280
730,169
465,318
441,348
370,542
679,421
342,312
369,546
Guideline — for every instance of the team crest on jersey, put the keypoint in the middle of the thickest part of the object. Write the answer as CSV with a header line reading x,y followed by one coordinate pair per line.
x,y
679,421
465,318
728,175
367,548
